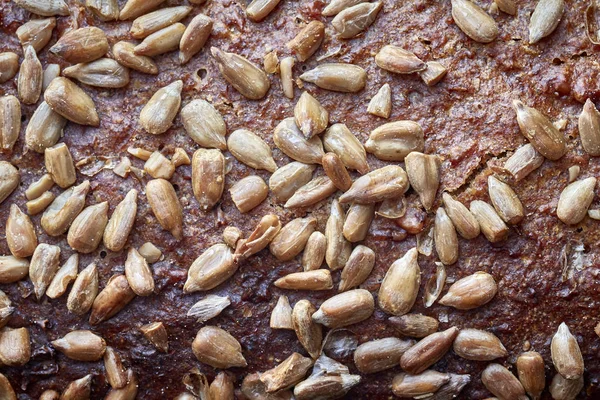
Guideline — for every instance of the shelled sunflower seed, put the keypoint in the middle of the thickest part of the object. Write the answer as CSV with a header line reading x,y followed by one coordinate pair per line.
x,y
245,76
381,104
20,233
289,139
103,73
337,77
113,298
217,348
307,41
105,10
156,333
134,8
474,22
423,384
428,351
29,83
502,383
125,55
400,286
258,10
379,355
545,19
398,60
69,100
530,368
471,291
84,291
351,21
194,37
248,148
161,41
81,45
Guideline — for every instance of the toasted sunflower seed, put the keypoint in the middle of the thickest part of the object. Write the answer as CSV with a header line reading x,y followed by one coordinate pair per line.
x,y
502,383
138,273
124,54
159,166
381,104
7,390
465,222
338,247
471,291
589,128
400,286
127,392
336,171
308,40
415,325
271,62
162,41
575,200
288,373
248,148
285,181
566,355
6,309
492,226
446,241
357,268
325,387
289,139
395,140
20,233
166,206
87,229
379,355
121,222
384,183
84,291
135,8
313,192
505,201
50,395
530,366
9,65
335,6
105,10
210,269
158,114
9,179
353,20
314,251
69,100
60,214
524,161
15,347
253,389
434,73
78,389
565,389
478,345
217,348
435,285
545,19
309,333
424,177
150,252
204,124
231,236
281,316
358,220
81,45
473,21
81,345
36,33
43,266
243,75
45,8
59,164
396,59
287,76
266,230
345,309
154,21
421,385
222,387
44,128
292,238
507,6
30,77
209,307
50,72
310,116
542,134
428,351
104,73
39,187
258,10
194,37
318,279
208,177
112,299
338,77
65,275
13,269
115,372
249,192
339,140
39,204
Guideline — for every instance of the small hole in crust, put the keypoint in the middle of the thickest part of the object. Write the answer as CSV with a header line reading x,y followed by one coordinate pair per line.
x,y
102,254
176,187
23,118
202,72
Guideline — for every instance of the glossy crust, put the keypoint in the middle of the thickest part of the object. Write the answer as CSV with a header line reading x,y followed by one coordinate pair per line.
x,y
468,121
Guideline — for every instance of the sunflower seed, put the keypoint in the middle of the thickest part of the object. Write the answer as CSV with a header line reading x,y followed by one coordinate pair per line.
x,y
325,387
292,238
165,206
287,76
8,391
43,266
9,66
351,21
154,21
502,383
507,6
39,187
258,10
542,134
339,140
124,54
492,226
222,387
30,77
428,351
63,210
434,73
204,124
524,161
45,8
105,10
266,230
36,33
150,252
336,6
338,77
345,309
575,200
81,45
446,241
396,59
87,229
505,201
115,372
248,148
336,171
435,285
9,179
545,19
471,291
231,236
44,128
162,41
395,140
65,275
358,220
20,233
565,389
210,269
400,286
415,325
112,299
384,183
289,139
465,222
248,193
159,166
103,72
138,273
158,114
313,192
66,98
13,269
208,177
474,22
379,355
319,279
285,181
338,247
478,345
209,307
121,222
15,347
127,392
310,116
194,37
589,128
281,316
288,373
314,251
59,164
243,75
307,41
134,8
566,355
423,174
84,291
417,386
38,205
78,389
530,367
52,71
381,104
309,333
253,389
81,345
271,62
217,348
357,268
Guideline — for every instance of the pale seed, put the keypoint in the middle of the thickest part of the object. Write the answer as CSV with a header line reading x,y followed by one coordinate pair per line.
x,y
210,269
154,21
115,372
345,309
435,285
81,345
104,73
415,325
416,386
258,10
78,389
473,21
524,161
393,208
9,179
127,392
338,247
15,347
381,104
565,389
292,238
492,226
81,45
396,59
38,205
428,351
222,387
46,8
339,140
379,355
357,268
453,388
384,183
59,164
538,129
249,192
319,279
444,235
285,181
574,171
204,124
217,348
309,333
9,66
6,309
313,192
44,128
84,291
505,201
165,206
138,273
336,171
150,252
208,308
137,152
39,187
180,157
266,230
285,375
65,275
248,148
20,233
208,177
308,40
589,128
43,266
545,19
502,383
194,37
36,33
156,333
50,395
135,8
271,62
281,316
478,345
314,251
50,72
353,20
434,73
566,355
125,55
289,139
112,299
87,229
7,390
358,220
159,166
121,222
507,6
105,10
310,116
70,101
338,77
162,41
30,77
335,6
465,222
64,209
231,236
245,76
325,387
158,114
530,367
575,200
471,291
287,76
395,140
13,269
423,174
400,286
